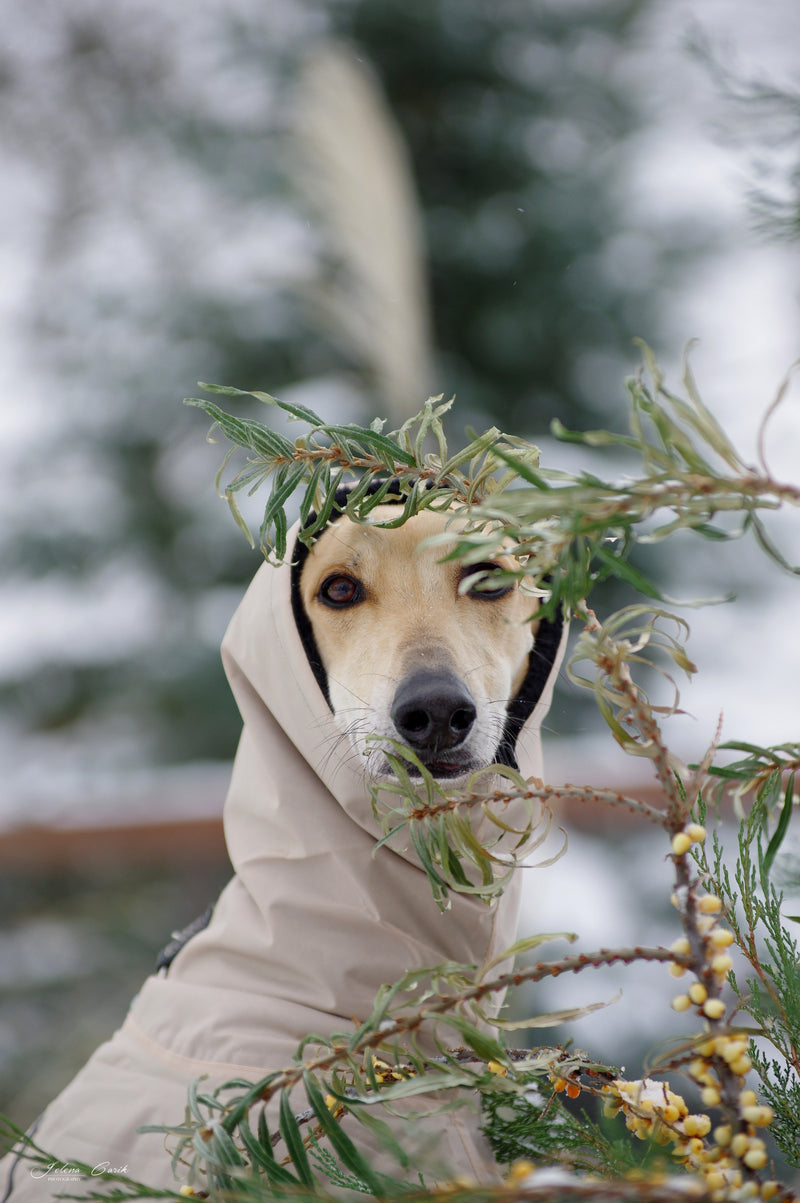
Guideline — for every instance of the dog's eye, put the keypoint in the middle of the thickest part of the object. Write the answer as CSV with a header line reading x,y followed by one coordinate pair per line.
x,y
339,591
482,587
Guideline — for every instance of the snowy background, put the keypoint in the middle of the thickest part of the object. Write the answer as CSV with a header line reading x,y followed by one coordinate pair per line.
x,y
88,368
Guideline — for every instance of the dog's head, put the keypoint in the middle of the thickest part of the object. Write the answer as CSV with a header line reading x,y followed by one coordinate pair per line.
x,y
403,654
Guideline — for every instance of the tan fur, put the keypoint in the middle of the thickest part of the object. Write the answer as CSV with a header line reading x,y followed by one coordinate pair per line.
x,y
411,618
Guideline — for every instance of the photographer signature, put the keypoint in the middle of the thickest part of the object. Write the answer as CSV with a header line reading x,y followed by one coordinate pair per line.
x,y
58,1170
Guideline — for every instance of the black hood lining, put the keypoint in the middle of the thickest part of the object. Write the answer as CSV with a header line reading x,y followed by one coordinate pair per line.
x,y
542,657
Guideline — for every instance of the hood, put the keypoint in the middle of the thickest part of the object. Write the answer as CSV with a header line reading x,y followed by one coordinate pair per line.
x,y
272,662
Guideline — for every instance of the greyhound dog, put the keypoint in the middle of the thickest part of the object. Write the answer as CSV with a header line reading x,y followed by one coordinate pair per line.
x,y
443,661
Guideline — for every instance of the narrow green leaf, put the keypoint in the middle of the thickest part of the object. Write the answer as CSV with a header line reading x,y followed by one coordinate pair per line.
x,y
737,745
268,442
345,1150
283,489
293,1139
591,438
554,1019
625,571
771,549
781,829
384,1134
281,532
421,848
262,1157
239,517
707,423
486,1048
300,412
221,1148
527,944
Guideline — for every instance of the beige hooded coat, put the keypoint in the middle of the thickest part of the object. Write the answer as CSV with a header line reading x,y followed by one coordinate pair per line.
x,y
300,940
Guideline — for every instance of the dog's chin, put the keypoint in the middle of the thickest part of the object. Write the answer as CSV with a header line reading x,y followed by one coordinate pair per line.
x,y
450,771
450,767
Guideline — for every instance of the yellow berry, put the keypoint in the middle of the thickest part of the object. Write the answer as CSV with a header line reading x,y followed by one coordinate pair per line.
x,y
730,1048
741,1066
677,970
707,1048
520,1170
696,833
740,1144
723,1135
720,937
714,1008
697,1125
496,1068
758,1116
681,945
770,1189
698,993
711,1096
681,843
721,963
715,1180
755,1159
681,1002
709,904
186,1191
698,1069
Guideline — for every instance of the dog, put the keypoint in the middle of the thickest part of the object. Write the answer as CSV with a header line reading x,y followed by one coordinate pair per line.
x,y
367,633
442,662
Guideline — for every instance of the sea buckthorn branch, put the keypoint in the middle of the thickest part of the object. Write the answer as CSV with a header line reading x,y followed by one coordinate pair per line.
x,y
731,1160
567,531
721,1059
613,647
575,530
445,998
453,853
380,1030
328,456
721,1062
533,790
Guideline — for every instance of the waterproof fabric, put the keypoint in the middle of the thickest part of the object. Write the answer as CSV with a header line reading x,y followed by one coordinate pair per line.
x,y
300,940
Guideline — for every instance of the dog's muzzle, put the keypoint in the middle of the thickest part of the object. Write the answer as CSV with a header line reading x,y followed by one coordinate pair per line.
x,y
433,714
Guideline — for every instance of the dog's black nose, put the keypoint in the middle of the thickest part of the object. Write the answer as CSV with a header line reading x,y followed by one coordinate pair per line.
x,y
433,711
